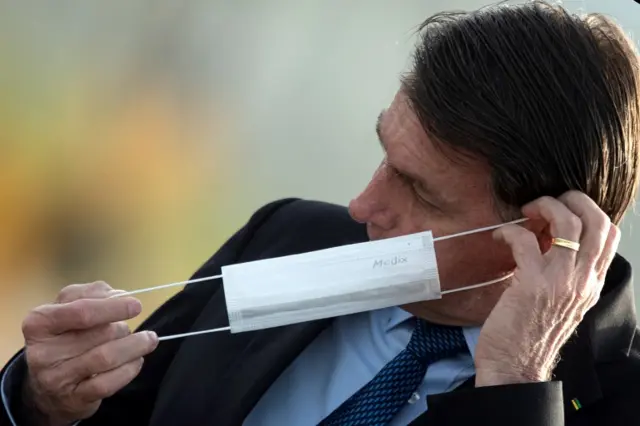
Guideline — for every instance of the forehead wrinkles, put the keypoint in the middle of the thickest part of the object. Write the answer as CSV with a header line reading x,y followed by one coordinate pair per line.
x,y
406,140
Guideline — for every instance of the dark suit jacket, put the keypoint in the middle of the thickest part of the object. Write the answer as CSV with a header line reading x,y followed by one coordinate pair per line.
x,y
217,379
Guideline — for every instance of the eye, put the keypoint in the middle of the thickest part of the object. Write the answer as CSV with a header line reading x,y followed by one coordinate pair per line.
x,y
415,187
413,184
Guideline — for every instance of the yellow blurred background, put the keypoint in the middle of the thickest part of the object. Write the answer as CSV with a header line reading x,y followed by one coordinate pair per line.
x,y
108,169
136,136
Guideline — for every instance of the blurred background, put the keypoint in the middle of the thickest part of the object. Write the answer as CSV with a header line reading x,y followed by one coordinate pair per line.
x,y
136,136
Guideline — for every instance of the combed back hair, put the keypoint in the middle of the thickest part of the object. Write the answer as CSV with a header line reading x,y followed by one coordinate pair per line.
x,y
549,100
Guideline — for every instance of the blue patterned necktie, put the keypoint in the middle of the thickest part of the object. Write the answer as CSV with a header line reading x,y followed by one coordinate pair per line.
x,y
377,402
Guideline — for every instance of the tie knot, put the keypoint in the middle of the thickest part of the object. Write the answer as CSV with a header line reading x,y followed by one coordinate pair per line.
x,y
432,342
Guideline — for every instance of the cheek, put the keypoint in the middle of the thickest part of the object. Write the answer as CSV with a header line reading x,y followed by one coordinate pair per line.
x,y
471,259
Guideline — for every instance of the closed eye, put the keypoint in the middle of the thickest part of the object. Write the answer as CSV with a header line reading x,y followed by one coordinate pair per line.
x,y
413,184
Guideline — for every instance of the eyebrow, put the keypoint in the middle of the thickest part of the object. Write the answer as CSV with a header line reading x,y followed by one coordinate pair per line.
x,y
379,129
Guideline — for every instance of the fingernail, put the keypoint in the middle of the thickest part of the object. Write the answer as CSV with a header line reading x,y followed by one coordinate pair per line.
x,y
152,336
134,307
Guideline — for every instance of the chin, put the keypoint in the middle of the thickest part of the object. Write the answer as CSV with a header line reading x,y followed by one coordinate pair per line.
x,y
464,310
424,311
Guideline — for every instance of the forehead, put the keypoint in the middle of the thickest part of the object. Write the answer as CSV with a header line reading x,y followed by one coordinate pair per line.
x,y
410,150
404,138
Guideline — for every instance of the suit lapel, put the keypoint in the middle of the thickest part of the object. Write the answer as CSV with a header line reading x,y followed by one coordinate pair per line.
x,y
265,358
217,379
604,336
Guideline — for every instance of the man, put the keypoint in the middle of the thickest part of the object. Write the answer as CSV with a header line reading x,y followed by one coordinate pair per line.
x,y
507,112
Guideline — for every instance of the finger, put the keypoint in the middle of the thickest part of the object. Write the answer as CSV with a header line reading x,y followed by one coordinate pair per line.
x,y
96,290
596,225
106,357
79,342
106,384
608,253
523,243
562,223
75,343
82,314
114,354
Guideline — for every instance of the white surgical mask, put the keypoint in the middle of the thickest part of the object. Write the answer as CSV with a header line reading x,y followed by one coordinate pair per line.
x,y
332,282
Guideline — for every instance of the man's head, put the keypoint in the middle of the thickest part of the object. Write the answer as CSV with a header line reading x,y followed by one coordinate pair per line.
x,y
500,107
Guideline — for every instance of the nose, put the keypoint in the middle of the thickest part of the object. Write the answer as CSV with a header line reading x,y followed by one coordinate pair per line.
x,y
372,205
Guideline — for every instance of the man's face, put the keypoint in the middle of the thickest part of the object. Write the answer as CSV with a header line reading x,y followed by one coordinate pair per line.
x,y
418,188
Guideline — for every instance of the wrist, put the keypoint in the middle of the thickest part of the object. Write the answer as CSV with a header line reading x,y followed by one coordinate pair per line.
x,y
510,376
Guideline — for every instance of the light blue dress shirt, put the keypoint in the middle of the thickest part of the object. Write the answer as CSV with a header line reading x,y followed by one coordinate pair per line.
x,y
345,357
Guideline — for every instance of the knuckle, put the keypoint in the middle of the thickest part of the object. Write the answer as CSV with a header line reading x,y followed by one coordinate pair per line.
x,y
31,323
101,359
545,201
101,286
586,289
572,196
82,312
575,222
37,322
67,293
571,223
581,293
48,381
36,357
118,330
100,389
585,301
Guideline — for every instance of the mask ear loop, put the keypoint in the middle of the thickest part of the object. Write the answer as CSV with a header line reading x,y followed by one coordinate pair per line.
x,y
484,284
478,230
215,277
474,231
176,284
158,287
193,333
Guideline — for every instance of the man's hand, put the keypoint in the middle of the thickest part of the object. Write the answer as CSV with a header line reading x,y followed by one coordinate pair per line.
x,y
550,291
79,351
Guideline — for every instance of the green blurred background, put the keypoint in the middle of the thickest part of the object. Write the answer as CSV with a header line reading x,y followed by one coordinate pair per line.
x,y
136,136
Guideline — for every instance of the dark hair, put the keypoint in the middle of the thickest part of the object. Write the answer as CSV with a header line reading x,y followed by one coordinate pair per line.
x,y
550,100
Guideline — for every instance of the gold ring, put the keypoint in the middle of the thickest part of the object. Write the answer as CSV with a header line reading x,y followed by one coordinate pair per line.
x,y
561,242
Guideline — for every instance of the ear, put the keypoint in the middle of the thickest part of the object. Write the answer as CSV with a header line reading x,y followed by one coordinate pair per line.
x,y
542,232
